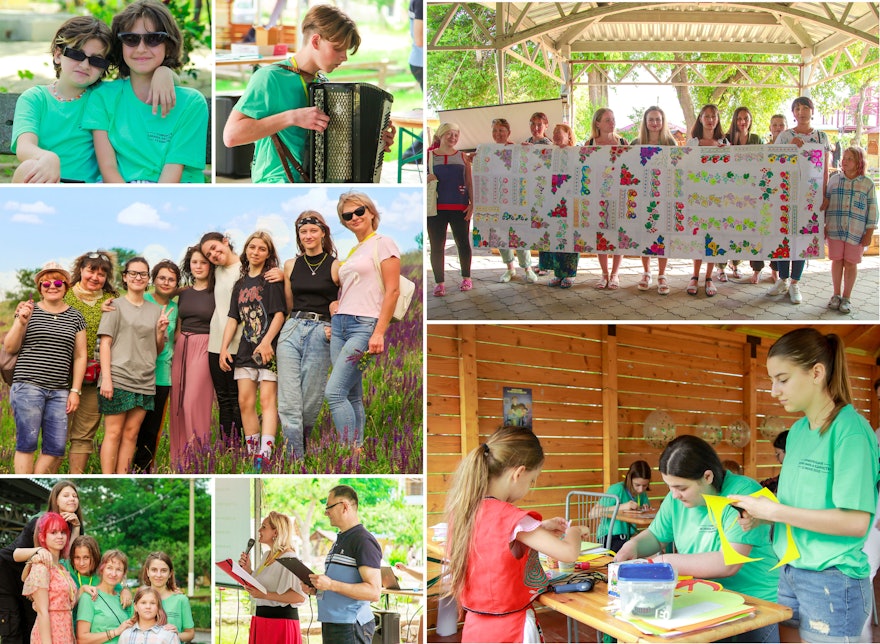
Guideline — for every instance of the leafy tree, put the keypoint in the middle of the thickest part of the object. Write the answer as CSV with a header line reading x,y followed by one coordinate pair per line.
x,y
26,289
122,256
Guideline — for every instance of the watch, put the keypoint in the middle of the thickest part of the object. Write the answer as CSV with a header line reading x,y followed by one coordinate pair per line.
x,y
78,392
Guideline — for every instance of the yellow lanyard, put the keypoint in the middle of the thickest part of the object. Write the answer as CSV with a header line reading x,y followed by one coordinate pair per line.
x,y
301,79
351,252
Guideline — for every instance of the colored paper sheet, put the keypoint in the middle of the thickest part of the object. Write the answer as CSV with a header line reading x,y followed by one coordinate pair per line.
x,y
746,202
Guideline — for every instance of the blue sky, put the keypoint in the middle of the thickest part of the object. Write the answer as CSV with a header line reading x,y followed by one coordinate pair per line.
x,y
59,223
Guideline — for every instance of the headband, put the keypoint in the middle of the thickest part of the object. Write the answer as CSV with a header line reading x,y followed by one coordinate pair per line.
x,y
308,220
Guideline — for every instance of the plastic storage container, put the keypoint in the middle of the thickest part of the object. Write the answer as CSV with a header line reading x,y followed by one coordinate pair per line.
x,y
646,589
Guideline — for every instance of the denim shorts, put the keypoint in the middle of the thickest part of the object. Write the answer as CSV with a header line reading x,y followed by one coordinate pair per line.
x,y
33,408
827,606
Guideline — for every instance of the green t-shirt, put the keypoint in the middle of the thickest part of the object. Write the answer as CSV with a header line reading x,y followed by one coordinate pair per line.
x,y
693,532
103,614
270,91
58,127
144,142
620,527
163,360
179,612
835,470
92,314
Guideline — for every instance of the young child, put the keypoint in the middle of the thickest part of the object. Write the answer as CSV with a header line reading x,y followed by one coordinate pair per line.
x,y
259,306
158,573
850,207
277,97
827,489
131,335
563,265
633,495
133,144
46,136
494,572
707,132
149,621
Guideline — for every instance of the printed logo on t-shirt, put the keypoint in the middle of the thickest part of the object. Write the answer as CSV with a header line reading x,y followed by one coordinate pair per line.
x,y
159,137
814,467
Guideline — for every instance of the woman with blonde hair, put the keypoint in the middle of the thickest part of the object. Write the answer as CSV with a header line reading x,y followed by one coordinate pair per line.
x,y
451,170
277,618
311,288
369,281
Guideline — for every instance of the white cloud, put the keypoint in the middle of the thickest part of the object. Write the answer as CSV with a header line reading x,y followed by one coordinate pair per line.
x,y
313,199
8,282
278,227
405,211
154,253
36,208
25,218
142,215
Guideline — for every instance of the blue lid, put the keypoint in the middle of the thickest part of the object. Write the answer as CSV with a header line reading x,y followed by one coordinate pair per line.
x,y
645,572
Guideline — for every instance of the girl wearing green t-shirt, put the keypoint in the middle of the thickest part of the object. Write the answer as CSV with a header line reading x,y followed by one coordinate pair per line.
x,y
158,572
827,490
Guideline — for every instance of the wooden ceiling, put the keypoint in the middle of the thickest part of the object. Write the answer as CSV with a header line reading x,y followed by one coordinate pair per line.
x,y
861,339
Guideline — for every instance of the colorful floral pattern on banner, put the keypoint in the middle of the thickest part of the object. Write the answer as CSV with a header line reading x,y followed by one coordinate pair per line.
x,y
745,202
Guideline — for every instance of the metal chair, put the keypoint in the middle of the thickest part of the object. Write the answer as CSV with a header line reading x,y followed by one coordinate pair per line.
x,y
587,510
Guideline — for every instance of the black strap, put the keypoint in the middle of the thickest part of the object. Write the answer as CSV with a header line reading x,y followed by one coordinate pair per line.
x,y
112,610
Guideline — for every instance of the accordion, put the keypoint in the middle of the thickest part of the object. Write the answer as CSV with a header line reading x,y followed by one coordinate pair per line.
x,y
350,150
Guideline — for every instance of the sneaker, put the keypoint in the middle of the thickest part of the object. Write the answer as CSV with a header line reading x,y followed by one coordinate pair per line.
x,y
834,302
845,305
466,284
780,288
531,278
794,293
440,290
508,275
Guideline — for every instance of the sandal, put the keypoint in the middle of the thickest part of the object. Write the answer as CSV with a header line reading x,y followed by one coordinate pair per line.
x,y
662,285
566,282
692,285
602,283
645,283
466,284
734,272
554,281
756,277
720,274
710,288
440,290
614,282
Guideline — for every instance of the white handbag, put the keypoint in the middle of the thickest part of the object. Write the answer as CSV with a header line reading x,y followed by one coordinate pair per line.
x,y
407,288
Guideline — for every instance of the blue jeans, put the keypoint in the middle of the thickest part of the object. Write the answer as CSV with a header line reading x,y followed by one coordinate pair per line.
x,y
34,407
793,269
303,362
345,388
827,606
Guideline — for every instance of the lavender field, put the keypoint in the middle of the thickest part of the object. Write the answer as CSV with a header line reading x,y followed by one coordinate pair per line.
x,y
394,435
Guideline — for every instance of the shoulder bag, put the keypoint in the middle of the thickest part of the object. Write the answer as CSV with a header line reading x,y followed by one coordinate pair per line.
x,y
407,288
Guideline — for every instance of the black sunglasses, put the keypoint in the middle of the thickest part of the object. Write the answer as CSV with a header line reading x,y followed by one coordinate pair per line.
x,y
359,211
152,39
79,56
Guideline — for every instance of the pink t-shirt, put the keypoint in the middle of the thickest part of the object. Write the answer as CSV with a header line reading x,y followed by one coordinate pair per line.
x,y
360,289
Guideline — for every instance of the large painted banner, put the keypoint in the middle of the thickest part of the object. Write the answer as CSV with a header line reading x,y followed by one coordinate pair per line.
x,y
744,202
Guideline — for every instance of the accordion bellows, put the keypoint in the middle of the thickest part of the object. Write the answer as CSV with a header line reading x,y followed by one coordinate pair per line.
x,y
350,150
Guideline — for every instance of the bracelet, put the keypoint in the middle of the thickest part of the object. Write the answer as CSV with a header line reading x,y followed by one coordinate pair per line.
x,y
78,392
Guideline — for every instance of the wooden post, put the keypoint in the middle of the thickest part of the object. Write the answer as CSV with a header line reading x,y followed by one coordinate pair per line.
x,y
750,403
467,383
609,406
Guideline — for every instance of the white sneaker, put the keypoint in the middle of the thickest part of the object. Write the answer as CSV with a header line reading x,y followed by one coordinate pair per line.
x,y
794,292
845,305
531,278
780,288
508,275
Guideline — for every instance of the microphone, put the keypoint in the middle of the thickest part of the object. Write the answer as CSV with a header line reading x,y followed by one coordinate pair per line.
x,y
250,545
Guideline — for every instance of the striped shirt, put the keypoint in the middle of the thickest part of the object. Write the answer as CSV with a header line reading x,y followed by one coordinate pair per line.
x,y
353,548
155,635
46,355
852,208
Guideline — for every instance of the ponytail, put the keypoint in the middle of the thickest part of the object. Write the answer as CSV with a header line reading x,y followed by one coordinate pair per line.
x,y
806,348
509,447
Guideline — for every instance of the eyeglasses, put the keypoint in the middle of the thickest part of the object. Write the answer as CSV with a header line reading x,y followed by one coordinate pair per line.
x,y
152,39
166,280
55,283
138,274
79,56
359,211
330,507
97,255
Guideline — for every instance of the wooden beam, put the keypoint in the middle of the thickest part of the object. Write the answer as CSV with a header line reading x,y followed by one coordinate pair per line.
x,y
750,404
467,376
609,405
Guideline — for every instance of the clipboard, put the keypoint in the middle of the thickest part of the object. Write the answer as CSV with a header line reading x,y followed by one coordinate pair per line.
x,y
298,568
238,573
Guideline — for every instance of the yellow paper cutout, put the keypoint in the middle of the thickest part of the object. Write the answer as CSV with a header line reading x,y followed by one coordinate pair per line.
x,y
716,505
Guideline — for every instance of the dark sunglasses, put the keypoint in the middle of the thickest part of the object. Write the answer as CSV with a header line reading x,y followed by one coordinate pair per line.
x,y
79,56
97,255
359,211
152,39
57,283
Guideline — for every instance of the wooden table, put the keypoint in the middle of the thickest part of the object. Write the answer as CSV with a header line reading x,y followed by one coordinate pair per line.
x,y
641,520
589,608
